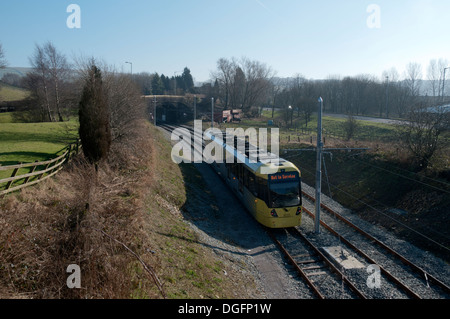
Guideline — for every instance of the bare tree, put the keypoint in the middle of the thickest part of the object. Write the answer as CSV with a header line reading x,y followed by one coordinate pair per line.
x,y
412,78
332,93
49,81
441,64
125,103
350,126
244,83
3,62
57,69
433,75
40,74
224,75
237,88
257,83
421,133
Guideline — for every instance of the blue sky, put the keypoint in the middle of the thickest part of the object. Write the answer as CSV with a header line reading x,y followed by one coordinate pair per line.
x,y
313,38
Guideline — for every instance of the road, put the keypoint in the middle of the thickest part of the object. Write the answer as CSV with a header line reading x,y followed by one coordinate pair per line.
x,y
360,118
366,118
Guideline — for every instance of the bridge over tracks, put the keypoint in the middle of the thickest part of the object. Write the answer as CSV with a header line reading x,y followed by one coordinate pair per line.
x,y
173,109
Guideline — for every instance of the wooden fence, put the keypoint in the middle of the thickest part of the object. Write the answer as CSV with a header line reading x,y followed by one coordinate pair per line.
x,y
37,171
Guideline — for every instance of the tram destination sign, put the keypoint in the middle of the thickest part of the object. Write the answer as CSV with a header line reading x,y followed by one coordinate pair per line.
x,y
284,177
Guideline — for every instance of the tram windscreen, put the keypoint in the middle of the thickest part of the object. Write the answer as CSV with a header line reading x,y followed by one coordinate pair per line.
x,y
284,190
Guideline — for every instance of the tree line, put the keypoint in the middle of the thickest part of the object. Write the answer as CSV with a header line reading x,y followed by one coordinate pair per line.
x,y
53,80
248,85
155,84
245,84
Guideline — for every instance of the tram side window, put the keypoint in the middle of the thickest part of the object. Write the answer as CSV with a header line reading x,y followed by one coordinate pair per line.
x,y
234,170
245,173
262,189
252,184
240,177
240,168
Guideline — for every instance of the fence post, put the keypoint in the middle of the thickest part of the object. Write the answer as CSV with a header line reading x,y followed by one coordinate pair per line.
x,y
69,152
31,172
14,173
40,176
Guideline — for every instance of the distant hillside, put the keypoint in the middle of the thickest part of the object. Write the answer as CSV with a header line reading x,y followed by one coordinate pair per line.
x,y
15,70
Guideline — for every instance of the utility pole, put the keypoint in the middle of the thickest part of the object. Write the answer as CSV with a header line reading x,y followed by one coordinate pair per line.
x,y
195,107
212,112
319,151
318,167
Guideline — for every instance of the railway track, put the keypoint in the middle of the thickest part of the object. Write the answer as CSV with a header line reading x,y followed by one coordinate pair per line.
x,y
415,275
320,272
313,266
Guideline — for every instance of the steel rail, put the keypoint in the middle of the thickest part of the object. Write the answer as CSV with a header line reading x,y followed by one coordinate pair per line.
x,y
428,277
308,281
404,287
302,273
330,264
323,258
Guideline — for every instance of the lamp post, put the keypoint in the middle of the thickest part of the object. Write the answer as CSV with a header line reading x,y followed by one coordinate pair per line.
x,y
291,110
443,85
175,79
130,63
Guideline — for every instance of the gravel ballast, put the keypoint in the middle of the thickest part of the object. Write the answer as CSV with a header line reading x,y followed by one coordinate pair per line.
x,y
237,239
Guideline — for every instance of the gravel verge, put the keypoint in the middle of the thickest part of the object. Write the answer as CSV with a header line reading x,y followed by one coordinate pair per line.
x,y
238,240
424,259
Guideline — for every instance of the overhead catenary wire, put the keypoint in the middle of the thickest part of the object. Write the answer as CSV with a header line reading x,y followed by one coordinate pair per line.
x,y
380,212
397,174
408,178
410,172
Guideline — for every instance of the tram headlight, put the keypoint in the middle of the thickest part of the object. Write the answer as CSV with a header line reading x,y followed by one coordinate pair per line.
x,y
274,213
299,211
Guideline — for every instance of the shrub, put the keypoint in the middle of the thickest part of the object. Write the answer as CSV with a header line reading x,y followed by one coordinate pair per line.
x,y
95,130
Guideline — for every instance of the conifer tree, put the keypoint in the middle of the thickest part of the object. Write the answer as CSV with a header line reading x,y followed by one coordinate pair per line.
x,y
95,130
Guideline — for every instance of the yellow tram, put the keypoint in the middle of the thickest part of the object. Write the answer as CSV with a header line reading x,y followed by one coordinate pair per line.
x,y
270,190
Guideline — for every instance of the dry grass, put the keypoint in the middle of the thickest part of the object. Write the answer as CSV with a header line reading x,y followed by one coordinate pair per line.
x,y
46,228
123,227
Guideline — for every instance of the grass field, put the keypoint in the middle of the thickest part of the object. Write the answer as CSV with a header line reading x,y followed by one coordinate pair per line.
x,y
9,93
332,127
30,142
